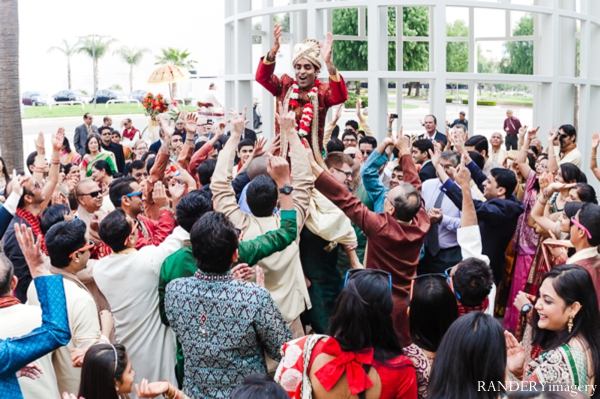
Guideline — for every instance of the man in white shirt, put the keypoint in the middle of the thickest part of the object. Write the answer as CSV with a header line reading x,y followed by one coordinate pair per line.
x,y
128,278
69,246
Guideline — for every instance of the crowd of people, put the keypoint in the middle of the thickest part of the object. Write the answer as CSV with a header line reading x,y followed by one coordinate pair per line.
x,y
146,273
215,264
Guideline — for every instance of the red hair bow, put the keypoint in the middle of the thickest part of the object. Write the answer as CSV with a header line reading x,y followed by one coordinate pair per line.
x,y
348,362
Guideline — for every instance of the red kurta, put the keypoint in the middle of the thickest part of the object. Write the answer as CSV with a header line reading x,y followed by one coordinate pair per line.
x,y
393,247
329,94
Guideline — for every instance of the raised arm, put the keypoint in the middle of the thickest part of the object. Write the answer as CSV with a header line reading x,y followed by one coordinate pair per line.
x,y
524,142
331,125
223,195
301,176
370,174
188,147
54,331
266,67
57,140
552,162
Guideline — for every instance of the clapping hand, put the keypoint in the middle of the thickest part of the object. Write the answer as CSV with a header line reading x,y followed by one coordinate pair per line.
x,y
595,141
58,138
515,354
287,122
190,123
31,249
242,272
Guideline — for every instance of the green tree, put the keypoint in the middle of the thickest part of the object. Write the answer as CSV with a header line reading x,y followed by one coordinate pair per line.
x,y
131,56
457,53
95,47
11,131
68,50
518,56
176,57
351,55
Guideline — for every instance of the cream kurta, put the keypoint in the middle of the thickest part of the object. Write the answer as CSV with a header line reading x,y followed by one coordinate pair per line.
x,y
129,281
18,320
283,271
328,221
85,332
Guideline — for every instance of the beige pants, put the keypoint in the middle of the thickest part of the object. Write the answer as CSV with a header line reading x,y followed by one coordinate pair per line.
x,y
297,332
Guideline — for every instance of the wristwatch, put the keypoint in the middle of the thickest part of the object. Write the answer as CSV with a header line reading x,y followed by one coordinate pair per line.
x,y
286,190
526,309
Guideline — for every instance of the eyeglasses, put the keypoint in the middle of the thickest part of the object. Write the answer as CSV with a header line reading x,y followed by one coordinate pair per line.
x,y
450,280
368,152
350,274
134,194
348,174
349,140
415,278
93,194
582,227
89,245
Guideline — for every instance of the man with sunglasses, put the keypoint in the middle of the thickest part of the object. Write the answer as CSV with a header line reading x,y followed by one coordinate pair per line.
x,y
366,146
126,193
395,236
69,246
89,197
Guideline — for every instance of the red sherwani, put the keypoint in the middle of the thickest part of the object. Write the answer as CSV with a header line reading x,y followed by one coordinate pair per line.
x,y
329,94
393,247
156,231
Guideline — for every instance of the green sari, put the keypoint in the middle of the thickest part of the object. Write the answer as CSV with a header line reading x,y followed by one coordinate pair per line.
x,y
103,156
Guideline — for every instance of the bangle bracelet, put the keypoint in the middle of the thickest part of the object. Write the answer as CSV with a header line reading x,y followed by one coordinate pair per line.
x,y
553,155
55,161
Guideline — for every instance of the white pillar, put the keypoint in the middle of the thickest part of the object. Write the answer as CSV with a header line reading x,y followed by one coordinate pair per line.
x,y
377,49
437,49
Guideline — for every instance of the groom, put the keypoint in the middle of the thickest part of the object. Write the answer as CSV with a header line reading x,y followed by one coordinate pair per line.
x,y
305,95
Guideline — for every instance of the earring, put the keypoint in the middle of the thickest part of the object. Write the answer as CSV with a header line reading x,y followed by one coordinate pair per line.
x,y
570,324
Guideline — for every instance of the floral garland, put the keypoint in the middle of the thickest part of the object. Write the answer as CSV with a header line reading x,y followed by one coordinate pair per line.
x,y
308,111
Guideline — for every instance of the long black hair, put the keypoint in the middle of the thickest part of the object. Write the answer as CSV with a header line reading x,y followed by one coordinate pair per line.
x,y
433,309
67,145
472,352
362,316
98,373
573,284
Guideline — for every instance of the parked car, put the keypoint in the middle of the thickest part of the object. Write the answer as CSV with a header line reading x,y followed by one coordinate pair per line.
x,y
71,95
34,98
103,96
139,94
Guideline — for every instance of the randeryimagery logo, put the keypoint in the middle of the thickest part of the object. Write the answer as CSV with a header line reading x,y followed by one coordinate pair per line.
x,y
532,386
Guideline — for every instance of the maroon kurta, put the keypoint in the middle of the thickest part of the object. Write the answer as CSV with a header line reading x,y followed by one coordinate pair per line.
x,y
329,94
392,246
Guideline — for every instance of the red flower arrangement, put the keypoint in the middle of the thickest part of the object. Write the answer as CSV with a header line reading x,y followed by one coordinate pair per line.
x,y
205,105
155,105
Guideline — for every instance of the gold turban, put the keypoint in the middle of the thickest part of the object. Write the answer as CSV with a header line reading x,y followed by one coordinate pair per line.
x,y
309,49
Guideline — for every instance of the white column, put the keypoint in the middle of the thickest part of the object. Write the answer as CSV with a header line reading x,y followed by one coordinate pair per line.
x,y
437,46
377,58
268,101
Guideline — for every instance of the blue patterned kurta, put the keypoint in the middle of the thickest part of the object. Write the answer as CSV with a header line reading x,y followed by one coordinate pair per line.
x,y
224,326
54,332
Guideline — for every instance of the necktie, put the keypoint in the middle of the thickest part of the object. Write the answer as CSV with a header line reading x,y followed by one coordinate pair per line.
x,y
433,240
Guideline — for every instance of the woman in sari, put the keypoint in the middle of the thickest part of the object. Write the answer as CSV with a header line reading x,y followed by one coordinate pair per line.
x,y
67,155
565,333
93,153
526,239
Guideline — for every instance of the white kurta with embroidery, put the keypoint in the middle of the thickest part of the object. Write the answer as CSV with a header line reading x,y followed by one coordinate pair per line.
x,y
129,281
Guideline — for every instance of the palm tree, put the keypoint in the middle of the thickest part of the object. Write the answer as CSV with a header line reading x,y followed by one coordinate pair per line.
x,y
11,131
175,57
131,56
68,50
95,47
